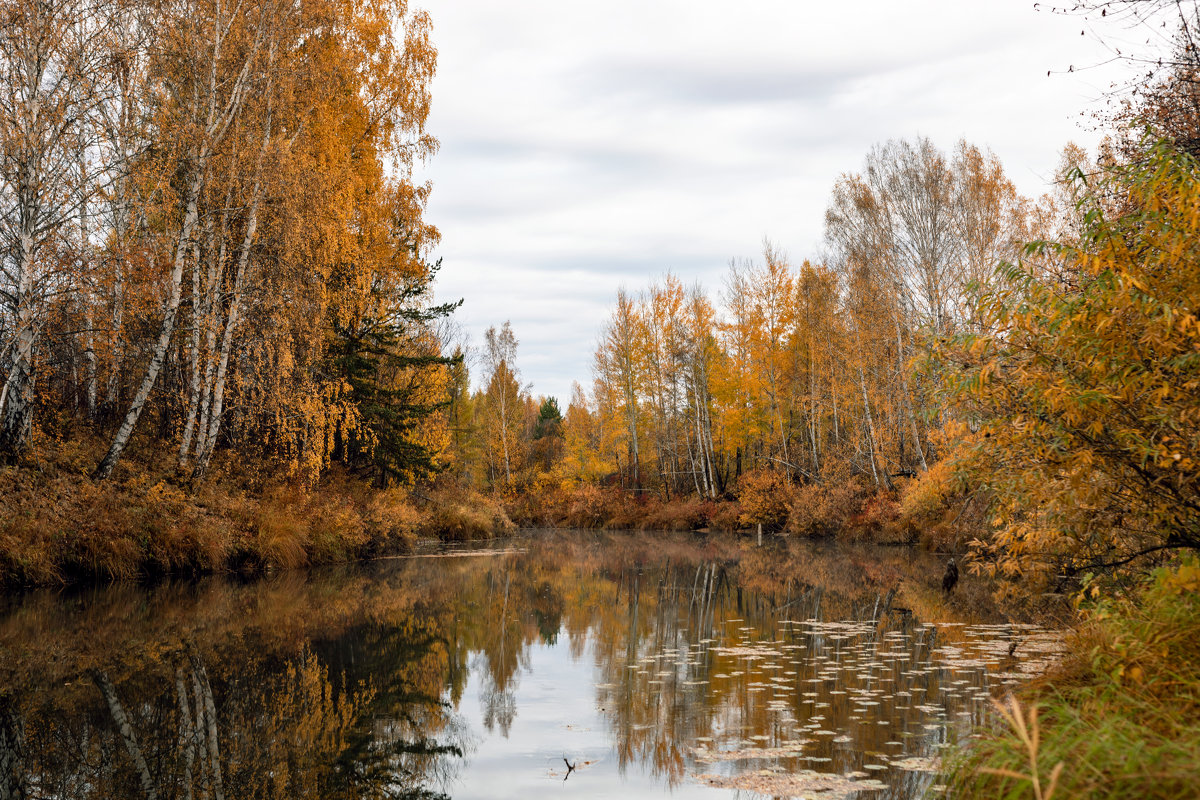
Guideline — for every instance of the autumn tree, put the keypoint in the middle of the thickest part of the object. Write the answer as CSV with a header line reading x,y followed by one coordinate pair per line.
x,y
209,216
1081,402
213,59
620,375
502,399
53,58
584,454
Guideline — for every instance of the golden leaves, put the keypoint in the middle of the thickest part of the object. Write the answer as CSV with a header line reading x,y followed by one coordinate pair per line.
x,y
1089,374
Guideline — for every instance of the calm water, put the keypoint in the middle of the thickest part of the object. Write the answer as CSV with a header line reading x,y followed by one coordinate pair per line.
x,y
657,666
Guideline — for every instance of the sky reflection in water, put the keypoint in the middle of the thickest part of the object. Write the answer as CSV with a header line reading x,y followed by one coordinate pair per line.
x,y
657,666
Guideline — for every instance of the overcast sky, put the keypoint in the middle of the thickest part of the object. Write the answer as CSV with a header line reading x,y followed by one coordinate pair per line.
x,y
588,146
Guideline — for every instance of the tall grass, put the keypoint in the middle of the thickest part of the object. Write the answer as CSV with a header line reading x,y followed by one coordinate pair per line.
x,y
1120,717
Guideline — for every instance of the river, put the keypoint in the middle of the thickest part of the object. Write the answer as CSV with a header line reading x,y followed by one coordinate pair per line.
x,y
572,664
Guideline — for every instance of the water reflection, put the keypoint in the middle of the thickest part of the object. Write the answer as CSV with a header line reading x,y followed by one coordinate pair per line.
x,y
703,665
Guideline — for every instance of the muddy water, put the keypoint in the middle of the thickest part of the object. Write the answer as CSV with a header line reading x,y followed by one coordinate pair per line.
x,y
557,665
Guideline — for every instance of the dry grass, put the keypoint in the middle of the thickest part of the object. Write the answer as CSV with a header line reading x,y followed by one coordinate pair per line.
x,y
462,515
60,527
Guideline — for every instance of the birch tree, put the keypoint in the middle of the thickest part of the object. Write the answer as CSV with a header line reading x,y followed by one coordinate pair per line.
x,y
51,60
214,57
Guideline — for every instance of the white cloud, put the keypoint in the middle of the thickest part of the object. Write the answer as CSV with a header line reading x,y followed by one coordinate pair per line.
x,y
588,146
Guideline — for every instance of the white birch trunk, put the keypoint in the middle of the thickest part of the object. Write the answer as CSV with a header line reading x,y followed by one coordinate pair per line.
x,y
870,425
128,736
171,310
208,432
193,404
16,420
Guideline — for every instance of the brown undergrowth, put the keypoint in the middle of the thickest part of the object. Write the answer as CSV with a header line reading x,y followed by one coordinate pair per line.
x,y
848,507
60,526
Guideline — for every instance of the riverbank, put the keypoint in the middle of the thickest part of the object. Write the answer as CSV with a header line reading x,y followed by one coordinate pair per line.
x,y
923,512
60,526
1120,715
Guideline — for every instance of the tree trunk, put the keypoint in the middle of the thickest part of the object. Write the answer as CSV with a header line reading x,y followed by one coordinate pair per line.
x,y
13,775
128,736
170,312
870,425
912,417
208,432
193,355
16,418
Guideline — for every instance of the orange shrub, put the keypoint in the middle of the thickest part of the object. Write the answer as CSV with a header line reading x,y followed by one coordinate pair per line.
x,y
824,509
681,514
765,496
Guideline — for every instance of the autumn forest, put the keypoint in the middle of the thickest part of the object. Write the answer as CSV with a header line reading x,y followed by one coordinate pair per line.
x,y
223,348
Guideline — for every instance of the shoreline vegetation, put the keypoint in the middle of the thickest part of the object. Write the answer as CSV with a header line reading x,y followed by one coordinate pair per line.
x,y
62,527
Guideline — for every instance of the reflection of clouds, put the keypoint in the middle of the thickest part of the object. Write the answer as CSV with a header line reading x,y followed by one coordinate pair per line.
x,y
499,704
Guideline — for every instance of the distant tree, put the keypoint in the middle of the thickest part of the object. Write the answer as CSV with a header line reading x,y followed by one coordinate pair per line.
x,y
549,419
503,394
546,449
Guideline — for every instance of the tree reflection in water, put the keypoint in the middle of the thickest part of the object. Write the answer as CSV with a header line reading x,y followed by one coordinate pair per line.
x,y
708,657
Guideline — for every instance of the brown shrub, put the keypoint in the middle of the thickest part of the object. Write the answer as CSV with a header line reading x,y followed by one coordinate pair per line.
x,y
625,511
824,509
681,514
765,496
463,515
391,522
588,506
336,532
536,508
724,516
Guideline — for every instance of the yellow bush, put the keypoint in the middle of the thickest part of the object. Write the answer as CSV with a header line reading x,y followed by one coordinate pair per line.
x,y
391,520
928,497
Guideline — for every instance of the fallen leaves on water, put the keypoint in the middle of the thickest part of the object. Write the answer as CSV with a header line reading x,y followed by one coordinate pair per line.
x,y
802,783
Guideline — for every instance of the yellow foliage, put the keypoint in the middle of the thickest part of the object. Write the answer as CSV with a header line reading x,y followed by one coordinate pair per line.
x,y
927,497
1085,395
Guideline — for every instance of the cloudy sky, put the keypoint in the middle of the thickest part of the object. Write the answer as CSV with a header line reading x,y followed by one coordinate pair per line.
x,y
588,146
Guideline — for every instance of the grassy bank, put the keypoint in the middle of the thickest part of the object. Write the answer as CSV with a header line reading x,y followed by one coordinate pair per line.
x,y
1119,718
60,526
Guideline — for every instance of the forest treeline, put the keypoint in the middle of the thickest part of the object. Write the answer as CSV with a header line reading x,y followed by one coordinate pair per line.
x,y
791,396
215,281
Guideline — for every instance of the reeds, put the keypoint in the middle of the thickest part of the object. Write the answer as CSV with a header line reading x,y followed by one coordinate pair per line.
x,y
1028,734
